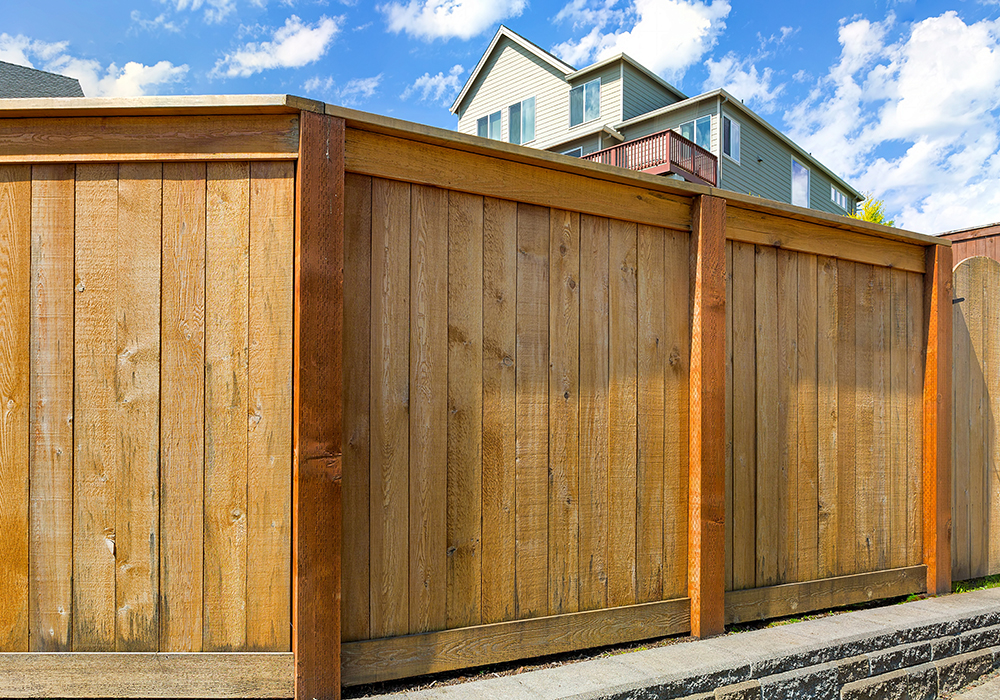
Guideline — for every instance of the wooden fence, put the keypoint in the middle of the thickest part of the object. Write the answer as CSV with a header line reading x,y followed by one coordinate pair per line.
x,y
568,406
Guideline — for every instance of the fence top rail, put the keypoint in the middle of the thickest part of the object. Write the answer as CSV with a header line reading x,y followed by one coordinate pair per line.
x,y
288,104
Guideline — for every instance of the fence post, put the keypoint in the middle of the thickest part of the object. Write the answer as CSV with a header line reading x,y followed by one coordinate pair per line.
x,y
707,426
318,412
937,419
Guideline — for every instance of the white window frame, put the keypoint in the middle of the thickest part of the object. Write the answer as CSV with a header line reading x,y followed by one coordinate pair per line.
x,y
839,198
796,161
510,121
694,130
499,135
734,138
574,152
583,87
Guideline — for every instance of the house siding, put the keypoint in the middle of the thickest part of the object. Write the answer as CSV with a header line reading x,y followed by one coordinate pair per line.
x,y
642,95
611,102
513,74
674,119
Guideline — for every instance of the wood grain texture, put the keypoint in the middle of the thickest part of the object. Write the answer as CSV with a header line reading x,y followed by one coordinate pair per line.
x,y
827,400
767,397
865,492
390,339
15,331
317,418
269,448
149,675
386,659
51,408
881,464
355,603
937,426
975,306
846,412
729,415
464,393
991,505
182,407
499,407
807,466
532,413
651,395
429,420
744,416
799,598
788,423
914,418
622,412
961,425
95,359
898,535
138,437
707,543
594,465
163,138
227,310
564,412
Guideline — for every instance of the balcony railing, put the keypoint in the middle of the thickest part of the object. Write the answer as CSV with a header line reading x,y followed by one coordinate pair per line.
x,y
661,153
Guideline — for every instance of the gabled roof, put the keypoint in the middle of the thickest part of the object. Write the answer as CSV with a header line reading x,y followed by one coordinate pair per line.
x,y
21,81
504,32
635,64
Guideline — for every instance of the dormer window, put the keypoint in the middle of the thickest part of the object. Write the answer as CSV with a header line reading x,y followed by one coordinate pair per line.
x,y
585,102
521,121
489,126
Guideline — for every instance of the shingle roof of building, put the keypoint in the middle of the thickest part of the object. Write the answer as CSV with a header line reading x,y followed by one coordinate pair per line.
x,y
20,81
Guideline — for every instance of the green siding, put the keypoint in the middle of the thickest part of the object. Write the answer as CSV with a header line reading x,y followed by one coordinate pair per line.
x,y
642,95
674,119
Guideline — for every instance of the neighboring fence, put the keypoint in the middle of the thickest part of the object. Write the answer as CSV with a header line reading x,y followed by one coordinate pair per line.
x,y
577,406
970,242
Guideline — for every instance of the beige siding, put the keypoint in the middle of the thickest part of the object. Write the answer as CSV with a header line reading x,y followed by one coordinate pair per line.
x,y
513,74
642,95
611,103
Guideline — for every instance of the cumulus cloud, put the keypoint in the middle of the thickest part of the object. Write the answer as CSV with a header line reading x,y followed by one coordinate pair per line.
x,y
352,93
215,10
666,36
445,19
912,114
292,46
741,79
131,80
436,88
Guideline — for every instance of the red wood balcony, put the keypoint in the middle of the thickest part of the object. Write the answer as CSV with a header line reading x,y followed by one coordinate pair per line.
x,y
662,153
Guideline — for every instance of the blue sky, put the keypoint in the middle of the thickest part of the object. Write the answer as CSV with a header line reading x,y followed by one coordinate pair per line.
x,y
902,99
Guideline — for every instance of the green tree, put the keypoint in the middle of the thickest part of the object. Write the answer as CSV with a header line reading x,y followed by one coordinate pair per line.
x,y
873,210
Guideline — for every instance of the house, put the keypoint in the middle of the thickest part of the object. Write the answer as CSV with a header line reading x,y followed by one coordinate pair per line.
x,y
618,112
21,81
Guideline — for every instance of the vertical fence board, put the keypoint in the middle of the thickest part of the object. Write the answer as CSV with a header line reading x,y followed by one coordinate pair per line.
x,y
272,226
846,412
827,372
768,428
96,261
355,593
961,419
651,395
744,417
51,408
623,331
898,402
729,415
807,503
865,493
389,511
880,466
991,505
914,417
429,424
227,281
676,351
594,468
137,388
499,368
564,412
15,332
976,308
464,337
531,412
788,427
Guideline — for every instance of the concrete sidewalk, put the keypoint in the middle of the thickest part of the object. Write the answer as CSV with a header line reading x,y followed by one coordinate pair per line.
x,y
946,642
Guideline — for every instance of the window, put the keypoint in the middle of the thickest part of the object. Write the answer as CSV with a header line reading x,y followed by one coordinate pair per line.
x,y
521,121
575,152
800,184
489,127
839,198
585,102
699,131
731,138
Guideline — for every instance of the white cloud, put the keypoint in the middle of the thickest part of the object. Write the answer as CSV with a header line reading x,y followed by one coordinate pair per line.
x,y
160,22
215,10
912,114
353,92
666,36
437,88
294,45
131,80
444,19
742,81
